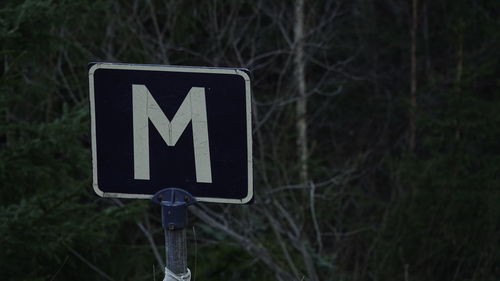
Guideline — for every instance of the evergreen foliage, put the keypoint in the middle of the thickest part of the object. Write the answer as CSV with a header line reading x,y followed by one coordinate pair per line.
x,y
374,209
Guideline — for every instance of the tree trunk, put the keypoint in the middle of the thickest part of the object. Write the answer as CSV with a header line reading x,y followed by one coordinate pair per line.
x,y
413,86
301,109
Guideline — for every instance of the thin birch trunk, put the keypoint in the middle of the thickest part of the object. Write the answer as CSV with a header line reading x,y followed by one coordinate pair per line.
x,y
413,86
301,106
301,111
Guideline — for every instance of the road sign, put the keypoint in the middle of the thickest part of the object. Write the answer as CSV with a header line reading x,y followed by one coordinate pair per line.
x,y
158,126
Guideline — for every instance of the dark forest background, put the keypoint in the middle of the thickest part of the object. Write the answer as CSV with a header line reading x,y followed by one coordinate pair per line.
x,y
376,128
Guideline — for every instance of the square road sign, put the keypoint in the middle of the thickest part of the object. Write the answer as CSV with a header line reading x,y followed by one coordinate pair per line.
x,y
159,126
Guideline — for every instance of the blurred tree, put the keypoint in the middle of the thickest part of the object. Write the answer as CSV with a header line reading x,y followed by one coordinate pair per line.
x,y
360,206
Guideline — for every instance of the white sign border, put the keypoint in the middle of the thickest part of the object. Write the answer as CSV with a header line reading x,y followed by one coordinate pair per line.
x,y
171,68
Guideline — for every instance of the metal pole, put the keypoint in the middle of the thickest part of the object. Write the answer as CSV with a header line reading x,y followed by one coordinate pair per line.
x,y
176,252
174,202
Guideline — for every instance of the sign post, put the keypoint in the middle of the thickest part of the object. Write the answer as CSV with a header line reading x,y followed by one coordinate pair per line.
x,y
158,126
174,202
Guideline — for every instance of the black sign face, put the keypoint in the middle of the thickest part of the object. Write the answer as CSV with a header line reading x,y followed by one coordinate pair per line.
x,y
155,127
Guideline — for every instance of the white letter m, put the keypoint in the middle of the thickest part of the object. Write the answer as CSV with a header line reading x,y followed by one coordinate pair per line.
x,y
193,108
